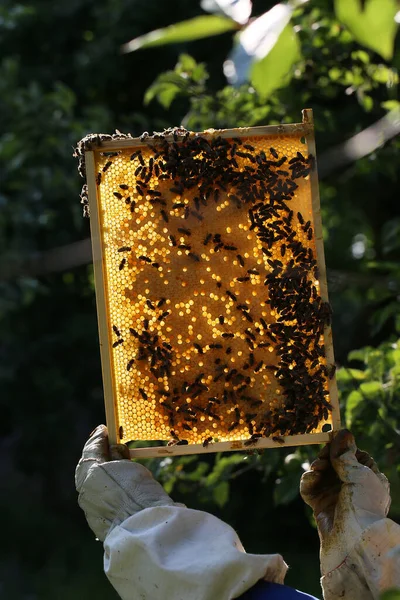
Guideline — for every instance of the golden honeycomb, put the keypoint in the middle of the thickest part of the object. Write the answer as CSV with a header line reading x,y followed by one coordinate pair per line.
x,y
215,319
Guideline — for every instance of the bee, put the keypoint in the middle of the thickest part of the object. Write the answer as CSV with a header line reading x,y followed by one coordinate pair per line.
x,y
310,234
221,319
194,256
145,258
117,195
107,166
150,304
173,240
300,218
184,231
98,178
139,190
233,426
207,441
121,432
124,249
207,239
122,264
240,259
273,152
117,343
164,216
161,302
277,438
130,364
116,331
231,296
198,348
143,394
331,370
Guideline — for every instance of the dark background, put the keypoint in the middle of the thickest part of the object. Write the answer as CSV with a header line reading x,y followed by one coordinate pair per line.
x,y
63,76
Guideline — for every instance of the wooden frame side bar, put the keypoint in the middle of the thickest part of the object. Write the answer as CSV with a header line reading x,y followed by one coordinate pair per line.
x,y
102,314
286,129
319,242
292,440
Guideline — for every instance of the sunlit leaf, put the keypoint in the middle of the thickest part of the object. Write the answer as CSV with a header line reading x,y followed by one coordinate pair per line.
x,y
372,23
221,494
186,31
371,389
255,42
276,68
347,375
353,403
359,354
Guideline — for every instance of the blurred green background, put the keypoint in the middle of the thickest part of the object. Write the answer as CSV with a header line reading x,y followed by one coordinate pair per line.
x,y
63,75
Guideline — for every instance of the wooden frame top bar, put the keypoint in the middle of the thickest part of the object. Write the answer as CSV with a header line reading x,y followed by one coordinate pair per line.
x,y
287,129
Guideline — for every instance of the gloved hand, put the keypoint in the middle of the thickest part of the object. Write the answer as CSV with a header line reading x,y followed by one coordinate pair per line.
x,y
111,487
347,494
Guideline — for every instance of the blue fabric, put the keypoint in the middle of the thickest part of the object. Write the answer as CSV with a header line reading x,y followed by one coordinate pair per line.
x,y
263,590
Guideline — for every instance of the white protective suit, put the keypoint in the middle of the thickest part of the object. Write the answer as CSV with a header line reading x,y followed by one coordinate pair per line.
x,y
156,549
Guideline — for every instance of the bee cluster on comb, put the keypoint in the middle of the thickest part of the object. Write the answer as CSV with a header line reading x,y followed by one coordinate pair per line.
x,y
210,272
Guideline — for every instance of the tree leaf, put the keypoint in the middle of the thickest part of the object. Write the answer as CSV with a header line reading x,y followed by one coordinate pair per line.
x,y
359,354
371,389
352,405
372,25
255,42
390,595
275,69
221,494
346,375
186,31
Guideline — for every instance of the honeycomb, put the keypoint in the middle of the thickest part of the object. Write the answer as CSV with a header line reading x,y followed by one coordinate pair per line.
x,y
216,324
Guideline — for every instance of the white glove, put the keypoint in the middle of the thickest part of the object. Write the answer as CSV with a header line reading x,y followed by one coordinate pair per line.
x,y
350,499
155,548
110,492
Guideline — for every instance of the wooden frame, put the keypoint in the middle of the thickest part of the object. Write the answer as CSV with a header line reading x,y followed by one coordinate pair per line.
x,y
306,128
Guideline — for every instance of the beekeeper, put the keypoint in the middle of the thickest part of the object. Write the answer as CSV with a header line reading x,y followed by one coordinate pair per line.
x,y
156,549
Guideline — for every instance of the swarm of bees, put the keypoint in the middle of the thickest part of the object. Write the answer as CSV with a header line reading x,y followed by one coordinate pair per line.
x,y
255,366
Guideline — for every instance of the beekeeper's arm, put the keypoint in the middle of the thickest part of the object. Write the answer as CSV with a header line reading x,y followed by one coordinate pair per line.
x,y
360,547
157,549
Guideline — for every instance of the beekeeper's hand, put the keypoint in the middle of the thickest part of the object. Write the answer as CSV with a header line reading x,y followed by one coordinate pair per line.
x,y
347,493
111,487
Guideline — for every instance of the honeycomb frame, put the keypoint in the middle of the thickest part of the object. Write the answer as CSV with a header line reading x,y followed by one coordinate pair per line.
x,y
112,339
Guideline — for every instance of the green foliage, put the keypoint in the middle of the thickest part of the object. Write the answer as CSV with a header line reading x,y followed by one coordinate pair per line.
x,y
390,595
371,22
193,29
188,79
371,400
76,82
276,68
